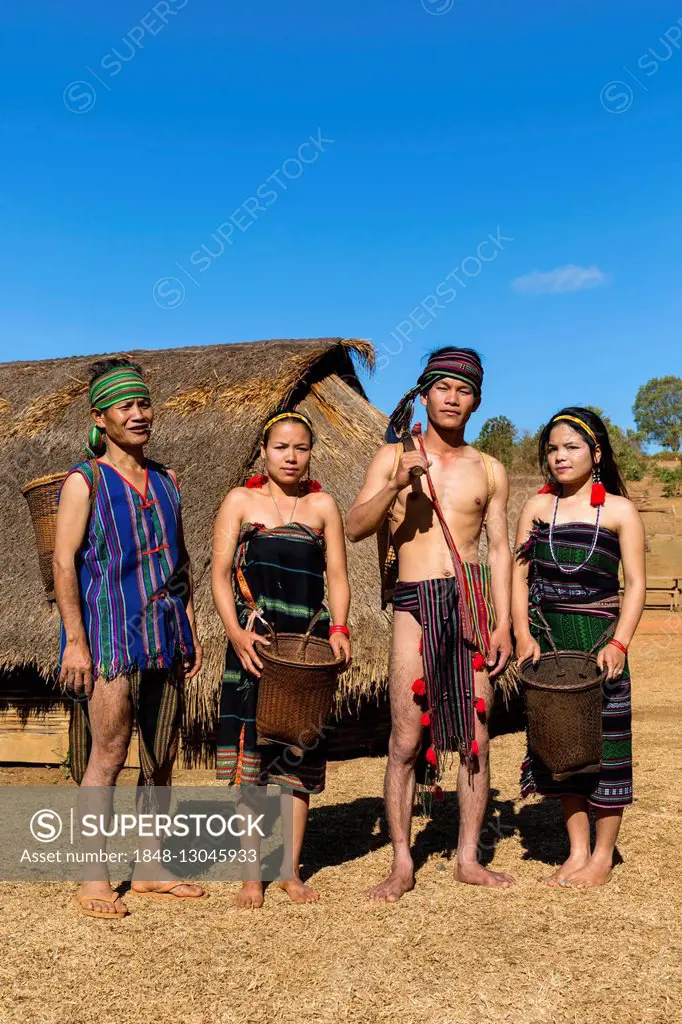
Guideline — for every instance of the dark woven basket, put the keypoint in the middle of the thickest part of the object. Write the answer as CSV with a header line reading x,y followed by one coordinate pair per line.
x,y
564,705
42,496
296,689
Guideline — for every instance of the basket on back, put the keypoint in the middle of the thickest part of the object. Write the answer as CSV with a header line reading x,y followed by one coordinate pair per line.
x,y
564,706
296,688
42,496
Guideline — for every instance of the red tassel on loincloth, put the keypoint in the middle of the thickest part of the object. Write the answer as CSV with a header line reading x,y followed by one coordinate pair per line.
x,y
425,719
479,705
478,661
419,687
431,756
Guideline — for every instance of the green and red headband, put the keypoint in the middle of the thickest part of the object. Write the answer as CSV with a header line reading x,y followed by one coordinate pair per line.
x,y
122,384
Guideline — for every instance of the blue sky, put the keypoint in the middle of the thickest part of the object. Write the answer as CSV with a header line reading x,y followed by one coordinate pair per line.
x,y
133,133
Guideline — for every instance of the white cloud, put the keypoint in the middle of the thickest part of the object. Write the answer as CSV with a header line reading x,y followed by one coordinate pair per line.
x,y
562,279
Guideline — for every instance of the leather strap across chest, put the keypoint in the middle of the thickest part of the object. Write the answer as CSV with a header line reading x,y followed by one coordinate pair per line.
x,y
463,595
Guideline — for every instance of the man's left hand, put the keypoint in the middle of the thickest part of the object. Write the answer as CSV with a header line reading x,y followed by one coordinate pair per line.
x,y
193,666
500,652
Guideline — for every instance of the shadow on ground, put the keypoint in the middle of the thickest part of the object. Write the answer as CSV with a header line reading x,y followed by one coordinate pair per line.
x,y
340,833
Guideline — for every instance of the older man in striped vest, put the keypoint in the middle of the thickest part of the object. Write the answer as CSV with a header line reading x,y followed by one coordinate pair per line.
x,y
124,591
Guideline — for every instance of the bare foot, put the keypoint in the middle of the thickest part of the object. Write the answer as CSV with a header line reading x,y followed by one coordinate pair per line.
x,y
400,881
476,874
575,862
298,891
596,872
89,892
250,896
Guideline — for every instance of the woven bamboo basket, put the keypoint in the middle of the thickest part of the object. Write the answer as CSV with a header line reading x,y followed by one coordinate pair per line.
x,y
42,496
563,693
296,689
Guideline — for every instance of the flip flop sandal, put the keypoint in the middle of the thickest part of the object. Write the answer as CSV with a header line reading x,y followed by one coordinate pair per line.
x,y
86,912
167,890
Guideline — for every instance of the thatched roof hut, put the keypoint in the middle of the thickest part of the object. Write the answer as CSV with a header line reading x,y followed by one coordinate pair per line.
x,y
210,402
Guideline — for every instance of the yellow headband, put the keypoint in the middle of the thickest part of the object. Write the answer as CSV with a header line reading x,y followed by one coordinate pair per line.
x,y
286,416
574,419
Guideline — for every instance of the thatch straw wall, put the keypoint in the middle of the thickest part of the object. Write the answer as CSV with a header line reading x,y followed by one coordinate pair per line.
x,y
210,403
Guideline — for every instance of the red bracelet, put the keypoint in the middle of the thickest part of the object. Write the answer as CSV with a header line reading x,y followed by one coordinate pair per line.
x,y
619,645
340,629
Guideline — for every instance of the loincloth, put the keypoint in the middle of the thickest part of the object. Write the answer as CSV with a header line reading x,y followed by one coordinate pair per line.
x,y
448,659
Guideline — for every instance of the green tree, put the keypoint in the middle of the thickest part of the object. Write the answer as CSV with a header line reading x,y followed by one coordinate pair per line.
x,y
525,461
497,438
671,480
658,411
627,448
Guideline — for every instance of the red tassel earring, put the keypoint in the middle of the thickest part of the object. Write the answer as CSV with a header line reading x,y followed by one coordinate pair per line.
x,y
259,480
309,485
598,495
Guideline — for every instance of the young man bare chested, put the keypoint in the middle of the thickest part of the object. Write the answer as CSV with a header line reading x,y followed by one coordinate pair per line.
x,y
451,621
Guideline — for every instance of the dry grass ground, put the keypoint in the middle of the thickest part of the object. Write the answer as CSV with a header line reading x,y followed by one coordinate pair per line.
x,y
446,952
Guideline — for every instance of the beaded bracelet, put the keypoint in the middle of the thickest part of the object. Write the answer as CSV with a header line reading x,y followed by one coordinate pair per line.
x,y
619,645
340,629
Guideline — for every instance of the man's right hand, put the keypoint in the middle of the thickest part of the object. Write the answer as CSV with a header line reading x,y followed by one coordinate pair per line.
x,y
407,463
243,640
76,673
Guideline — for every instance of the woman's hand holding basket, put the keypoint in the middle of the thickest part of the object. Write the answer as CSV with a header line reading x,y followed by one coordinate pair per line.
x,y
243,641
612,659
341,646
527,647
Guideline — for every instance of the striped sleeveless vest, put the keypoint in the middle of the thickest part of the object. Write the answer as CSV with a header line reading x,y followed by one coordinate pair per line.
x,y
129,574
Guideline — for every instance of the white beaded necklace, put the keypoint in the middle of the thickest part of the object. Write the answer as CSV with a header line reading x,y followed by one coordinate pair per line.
x,y
575,568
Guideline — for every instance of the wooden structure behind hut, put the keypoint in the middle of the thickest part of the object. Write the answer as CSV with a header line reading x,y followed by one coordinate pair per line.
x,y
210,403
